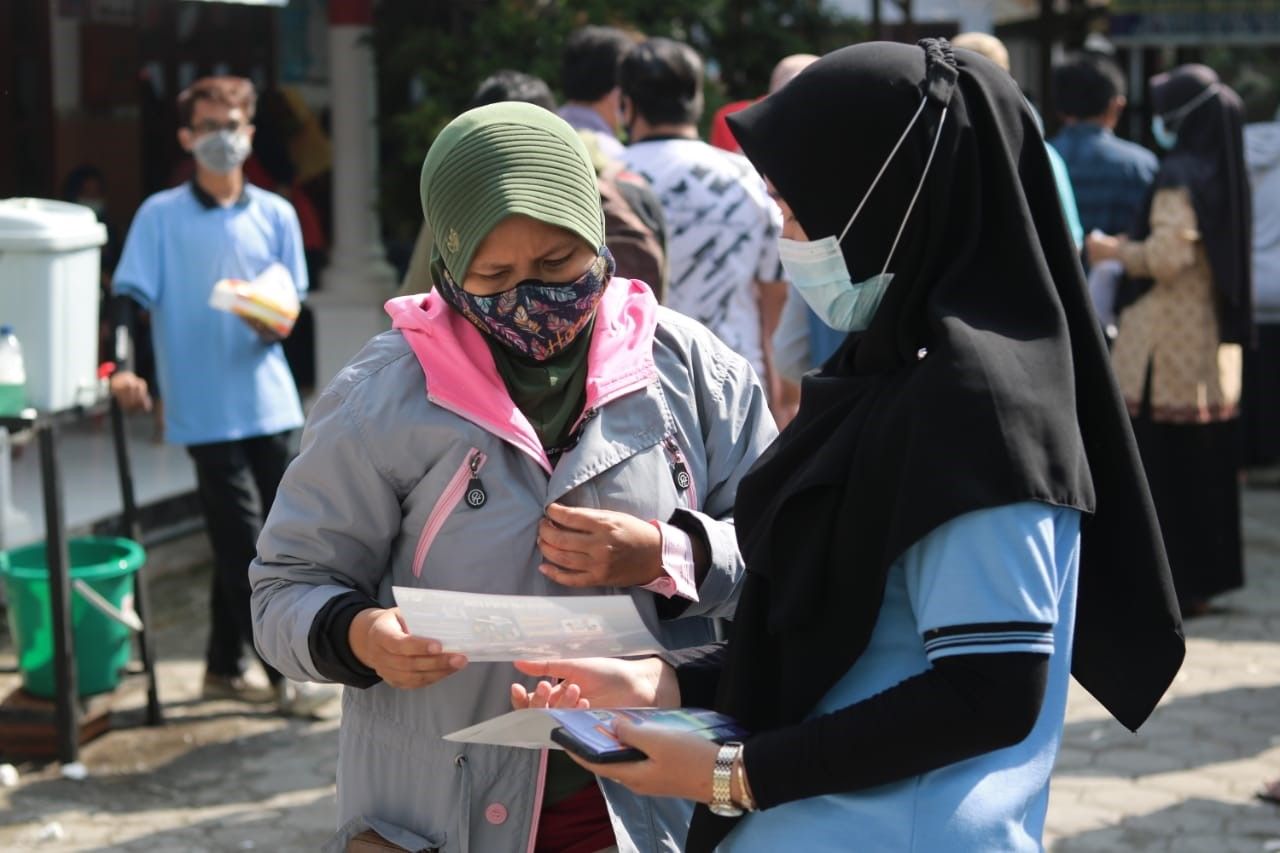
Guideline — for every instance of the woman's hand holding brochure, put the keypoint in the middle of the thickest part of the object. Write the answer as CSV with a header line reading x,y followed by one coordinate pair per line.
x,y
381,641
645,740
593,736
658,757
598,683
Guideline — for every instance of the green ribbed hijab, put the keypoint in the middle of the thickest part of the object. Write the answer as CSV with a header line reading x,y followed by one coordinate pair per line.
x,y
502,159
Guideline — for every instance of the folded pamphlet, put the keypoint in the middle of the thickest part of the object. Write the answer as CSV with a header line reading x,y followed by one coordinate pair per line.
x,y
531,728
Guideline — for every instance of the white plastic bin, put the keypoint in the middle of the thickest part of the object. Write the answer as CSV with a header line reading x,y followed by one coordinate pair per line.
x,y
49,273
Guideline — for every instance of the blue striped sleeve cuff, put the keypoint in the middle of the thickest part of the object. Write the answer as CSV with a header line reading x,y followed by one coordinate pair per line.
x,y
989,638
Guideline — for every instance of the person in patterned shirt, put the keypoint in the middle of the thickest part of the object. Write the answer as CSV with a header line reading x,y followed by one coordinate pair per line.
x,y
722,227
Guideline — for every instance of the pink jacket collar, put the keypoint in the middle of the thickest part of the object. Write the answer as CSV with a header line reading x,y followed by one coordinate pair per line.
x,y
462,377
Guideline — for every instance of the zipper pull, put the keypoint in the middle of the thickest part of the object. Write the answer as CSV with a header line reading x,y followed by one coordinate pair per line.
x,y
679,471
585,418
476,496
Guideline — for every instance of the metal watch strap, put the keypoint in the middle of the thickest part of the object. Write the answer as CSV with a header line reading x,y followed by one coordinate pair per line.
x,y
722,781
745,799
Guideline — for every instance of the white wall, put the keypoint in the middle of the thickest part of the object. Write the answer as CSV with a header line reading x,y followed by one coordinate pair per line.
x,y
64,37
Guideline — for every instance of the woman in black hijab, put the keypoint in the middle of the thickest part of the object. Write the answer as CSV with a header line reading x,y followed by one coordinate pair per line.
x,y
956,518
1178,353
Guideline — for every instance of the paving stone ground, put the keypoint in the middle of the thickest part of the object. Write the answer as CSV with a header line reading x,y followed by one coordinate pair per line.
x,y
1186,781
227,777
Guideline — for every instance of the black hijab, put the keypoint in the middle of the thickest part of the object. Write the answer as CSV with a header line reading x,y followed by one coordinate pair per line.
x,y
1208,161
1014,401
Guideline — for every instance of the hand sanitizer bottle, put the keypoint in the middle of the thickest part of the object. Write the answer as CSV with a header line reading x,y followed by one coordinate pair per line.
x,y
13,374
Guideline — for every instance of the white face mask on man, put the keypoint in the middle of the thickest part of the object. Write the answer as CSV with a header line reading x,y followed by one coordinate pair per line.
x,y
222,151
817,268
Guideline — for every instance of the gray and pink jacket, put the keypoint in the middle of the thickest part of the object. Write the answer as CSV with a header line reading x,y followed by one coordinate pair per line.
x,y
376,498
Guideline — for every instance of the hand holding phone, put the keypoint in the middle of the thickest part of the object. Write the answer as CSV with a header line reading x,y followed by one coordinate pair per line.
x,y
594,752
589,733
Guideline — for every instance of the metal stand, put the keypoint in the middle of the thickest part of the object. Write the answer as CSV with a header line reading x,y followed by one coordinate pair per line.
x,y
67,713
133,529
46,426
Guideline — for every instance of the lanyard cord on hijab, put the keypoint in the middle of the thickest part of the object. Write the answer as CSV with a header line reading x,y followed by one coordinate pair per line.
x,y
1207,159
1015,400
933,149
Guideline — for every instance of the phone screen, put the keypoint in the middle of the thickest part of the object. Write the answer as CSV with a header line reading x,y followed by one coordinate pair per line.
x,y
589,733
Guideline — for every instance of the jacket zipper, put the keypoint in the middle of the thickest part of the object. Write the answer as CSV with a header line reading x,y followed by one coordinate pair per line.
x,y
587,415
464,483
680,473
536,453
464,828
575,434
537,802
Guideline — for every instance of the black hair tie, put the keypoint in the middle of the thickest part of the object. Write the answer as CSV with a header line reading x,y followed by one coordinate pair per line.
x,y
940,71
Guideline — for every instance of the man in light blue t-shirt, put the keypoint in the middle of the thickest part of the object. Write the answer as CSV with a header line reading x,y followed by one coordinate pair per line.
x,y
229,396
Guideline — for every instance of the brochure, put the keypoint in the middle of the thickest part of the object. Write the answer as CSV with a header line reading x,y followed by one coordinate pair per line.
x,y
526,627
532,728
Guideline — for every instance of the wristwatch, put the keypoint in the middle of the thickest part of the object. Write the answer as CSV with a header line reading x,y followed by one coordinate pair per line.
x,y
722,804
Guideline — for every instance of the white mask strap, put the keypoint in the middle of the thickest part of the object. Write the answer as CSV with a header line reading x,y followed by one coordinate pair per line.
x,y
1174,116
927,163
880,174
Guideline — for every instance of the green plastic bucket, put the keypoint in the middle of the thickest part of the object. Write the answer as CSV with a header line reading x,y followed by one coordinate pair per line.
x,y
102,642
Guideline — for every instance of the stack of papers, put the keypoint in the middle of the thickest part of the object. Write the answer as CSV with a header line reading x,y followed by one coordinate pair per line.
x,y
526,627
271,298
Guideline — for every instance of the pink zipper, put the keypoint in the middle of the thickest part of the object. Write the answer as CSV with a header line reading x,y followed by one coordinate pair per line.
x,y
685,485
537,802
453,494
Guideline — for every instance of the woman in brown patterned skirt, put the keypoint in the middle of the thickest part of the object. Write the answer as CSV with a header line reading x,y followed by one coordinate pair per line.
x,y
1178,354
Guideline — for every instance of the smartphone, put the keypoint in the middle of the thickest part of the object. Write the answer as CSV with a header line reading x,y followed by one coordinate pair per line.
x,y
595,752
589,733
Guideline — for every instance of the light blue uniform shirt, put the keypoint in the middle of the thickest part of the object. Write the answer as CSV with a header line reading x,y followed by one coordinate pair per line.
x,y
1066,194
219,381
991,581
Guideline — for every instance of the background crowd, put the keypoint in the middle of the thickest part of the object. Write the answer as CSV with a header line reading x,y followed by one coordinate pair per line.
x,y
1184,251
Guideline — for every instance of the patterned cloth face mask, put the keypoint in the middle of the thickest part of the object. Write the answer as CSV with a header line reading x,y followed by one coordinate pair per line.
x,y
534,319
817,268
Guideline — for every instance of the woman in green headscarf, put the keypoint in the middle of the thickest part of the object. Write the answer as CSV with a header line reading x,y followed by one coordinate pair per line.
x,y
532,426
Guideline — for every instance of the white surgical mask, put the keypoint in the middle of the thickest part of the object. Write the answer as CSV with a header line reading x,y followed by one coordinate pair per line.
x,y
818,272
222,151
1165,137
817,268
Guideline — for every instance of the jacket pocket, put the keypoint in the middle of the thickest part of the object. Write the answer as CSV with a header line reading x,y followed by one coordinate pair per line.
x,y
681,474
465,483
